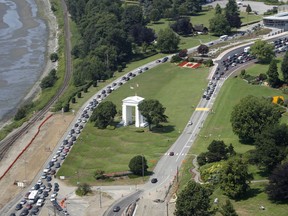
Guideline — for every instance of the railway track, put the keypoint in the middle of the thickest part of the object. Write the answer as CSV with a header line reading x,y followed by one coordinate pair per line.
x,y
8,141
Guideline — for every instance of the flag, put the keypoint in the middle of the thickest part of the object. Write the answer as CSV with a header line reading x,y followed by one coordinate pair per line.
x,y
131,87
137,85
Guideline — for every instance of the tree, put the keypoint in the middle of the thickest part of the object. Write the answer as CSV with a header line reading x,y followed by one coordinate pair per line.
x,y
153,111
138,165
267,154
167,41
54,57
273,76
227,209
263,51
234,178
248,9
232,14
104,114
49,80
193,200
155,15
203,49
219,25
218,148
278,183
284,67
193,6
270,146
83,189
182,26
132,15
252,115
218,9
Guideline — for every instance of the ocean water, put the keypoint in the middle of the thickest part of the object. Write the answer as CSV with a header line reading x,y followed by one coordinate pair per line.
x,y
23,39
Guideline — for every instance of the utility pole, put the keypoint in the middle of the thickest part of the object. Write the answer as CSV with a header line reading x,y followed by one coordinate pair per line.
x,y
167,208
100,200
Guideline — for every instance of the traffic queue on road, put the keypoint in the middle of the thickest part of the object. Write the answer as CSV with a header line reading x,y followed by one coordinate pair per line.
x,y
33,200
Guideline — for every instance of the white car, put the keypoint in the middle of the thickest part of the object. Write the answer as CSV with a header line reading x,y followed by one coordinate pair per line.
x,y
54,195
40,202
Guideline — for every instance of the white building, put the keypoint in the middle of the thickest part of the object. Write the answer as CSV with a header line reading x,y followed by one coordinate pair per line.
x,y
128,105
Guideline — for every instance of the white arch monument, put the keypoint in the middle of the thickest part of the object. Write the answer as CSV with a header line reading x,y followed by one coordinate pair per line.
x,y
128,104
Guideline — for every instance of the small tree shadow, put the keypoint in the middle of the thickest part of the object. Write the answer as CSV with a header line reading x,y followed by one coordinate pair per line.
x,y
250,193
163,129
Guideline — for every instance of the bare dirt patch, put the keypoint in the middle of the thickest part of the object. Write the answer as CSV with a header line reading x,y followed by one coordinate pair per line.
x,y
32,161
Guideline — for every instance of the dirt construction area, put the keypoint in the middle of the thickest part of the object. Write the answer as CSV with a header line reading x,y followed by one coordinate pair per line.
x,y
33,159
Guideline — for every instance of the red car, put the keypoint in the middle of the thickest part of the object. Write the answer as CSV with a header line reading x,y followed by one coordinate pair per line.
x,y
28,206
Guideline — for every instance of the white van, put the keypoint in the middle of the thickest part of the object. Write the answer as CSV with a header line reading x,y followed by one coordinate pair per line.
x,y
224,37
247,49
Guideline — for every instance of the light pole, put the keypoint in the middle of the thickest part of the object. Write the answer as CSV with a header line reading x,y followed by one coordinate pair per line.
x,y
100,199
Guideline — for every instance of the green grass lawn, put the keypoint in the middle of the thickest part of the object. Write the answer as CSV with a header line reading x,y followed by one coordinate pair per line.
x,y
250,204
178,89
217,125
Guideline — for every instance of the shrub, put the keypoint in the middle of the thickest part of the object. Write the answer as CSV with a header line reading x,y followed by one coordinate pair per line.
x,y
176,59
99,174
262,76
208,63
66,107
85,90
119,68
285,90
73,100
22,111
49,80
79,95
54,57
83,189
95,83
243,73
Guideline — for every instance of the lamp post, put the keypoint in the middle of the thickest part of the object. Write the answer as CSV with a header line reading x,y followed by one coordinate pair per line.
x,y
100,199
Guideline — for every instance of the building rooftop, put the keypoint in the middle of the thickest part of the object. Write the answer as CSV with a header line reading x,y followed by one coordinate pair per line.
x,y
280,16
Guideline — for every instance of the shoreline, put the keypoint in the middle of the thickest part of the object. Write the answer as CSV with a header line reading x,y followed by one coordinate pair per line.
x,y
45,13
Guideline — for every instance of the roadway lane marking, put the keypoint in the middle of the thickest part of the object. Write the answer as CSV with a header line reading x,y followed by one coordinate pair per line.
x,y
202,109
